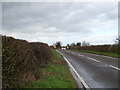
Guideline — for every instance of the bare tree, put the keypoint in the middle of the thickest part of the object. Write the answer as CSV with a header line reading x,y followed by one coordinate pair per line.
x,y
85,43
78,44
72,44
117,41
58,44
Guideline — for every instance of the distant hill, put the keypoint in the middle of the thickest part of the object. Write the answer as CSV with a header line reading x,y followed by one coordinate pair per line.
x,y
21,61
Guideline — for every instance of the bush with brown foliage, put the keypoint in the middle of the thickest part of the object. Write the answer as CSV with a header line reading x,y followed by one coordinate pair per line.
x,y
21,61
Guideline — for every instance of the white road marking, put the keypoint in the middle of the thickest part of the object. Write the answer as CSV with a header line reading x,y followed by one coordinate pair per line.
x,y
93,59
80,55
102,56
72,52
109,57
80,78
89,58
114,67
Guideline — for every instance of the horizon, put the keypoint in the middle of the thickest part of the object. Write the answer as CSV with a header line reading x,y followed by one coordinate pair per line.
x,y
56,41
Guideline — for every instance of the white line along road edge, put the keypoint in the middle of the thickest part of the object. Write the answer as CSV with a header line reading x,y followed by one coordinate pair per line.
x,y
80,78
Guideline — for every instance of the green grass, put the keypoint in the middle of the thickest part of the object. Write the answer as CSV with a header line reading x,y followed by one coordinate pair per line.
x,y
99,53
55,75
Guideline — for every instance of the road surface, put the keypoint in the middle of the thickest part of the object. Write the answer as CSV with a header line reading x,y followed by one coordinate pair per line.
x,y
97,71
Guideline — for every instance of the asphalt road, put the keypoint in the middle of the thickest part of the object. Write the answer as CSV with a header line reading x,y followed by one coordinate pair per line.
x,y
97,71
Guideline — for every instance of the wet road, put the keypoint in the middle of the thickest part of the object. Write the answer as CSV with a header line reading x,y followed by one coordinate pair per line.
x,y
97,71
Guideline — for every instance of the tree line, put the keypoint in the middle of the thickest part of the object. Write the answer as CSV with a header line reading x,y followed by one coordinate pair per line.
x,y
58,44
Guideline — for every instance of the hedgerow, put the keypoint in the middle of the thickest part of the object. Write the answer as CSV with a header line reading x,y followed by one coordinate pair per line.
x,y
21,61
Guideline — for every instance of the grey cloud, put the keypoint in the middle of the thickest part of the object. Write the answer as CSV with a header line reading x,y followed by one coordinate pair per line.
x,y
48,20
0,17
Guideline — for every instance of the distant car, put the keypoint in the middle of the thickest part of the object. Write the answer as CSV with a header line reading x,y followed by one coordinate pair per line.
x,y
63,48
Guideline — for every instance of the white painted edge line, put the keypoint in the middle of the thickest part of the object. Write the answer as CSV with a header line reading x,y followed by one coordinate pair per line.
x,y
93,59
114,67
80,78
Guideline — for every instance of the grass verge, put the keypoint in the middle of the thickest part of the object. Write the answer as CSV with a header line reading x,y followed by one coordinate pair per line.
x,y
99,53
56,74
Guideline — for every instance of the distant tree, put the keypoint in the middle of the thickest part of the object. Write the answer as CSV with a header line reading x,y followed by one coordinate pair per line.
x,y
78,44
58,44
117,41
84,43
68,45
72,44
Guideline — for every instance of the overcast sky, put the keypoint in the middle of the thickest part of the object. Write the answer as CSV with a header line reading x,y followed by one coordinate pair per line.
x,y
49,22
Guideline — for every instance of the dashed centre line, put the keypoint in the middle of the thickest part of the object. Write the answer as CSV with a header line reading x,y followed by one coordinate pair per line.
x,y
114,67
93,59
80,55
99,61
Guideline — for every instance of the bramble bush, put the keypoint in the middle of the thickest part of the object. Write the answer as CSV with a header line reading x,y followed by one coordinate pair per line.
x,y
21,61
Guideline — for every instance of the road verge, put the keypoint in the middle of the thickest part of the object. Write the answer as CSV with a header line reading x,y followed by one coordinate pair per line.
x,y
55,74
